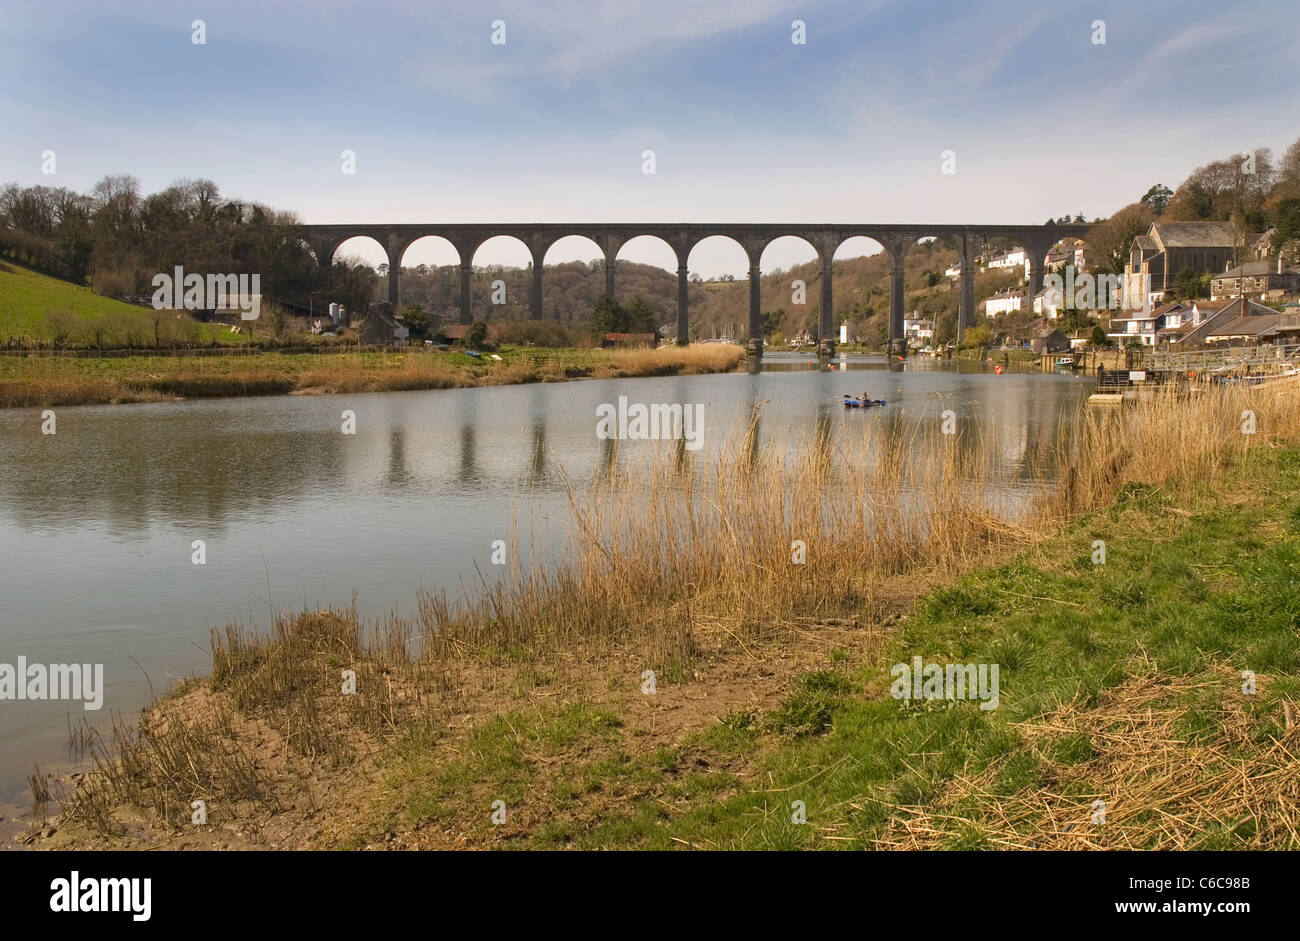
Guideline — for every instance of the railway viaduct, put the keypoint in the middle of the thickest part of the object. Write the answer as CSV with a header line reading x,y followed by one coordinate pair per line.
x,y
967,240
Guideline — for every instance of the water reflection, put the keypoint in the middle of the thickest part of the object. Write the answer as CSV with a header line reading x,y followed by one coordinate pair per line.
x,y
126,470
96,522
469,472
398,474
537,417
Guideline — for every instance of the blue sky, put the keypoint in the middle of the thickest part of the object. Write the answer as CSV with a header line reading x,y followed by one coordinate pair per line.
x,y
550,126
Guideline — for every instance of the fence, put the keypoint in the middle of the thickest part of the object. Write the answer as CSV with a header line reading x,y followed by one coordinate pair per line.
x,y
1201,360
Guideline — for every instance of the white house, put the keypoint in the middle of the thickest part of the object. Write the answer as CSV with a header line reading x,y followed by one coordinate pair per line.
x,y
1012,259
1168,323
1002,302
918,329
1069,252
1047,303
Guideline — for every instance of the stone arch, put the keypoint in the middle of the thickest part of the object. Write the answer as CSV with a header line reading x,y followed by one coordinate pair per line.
x,y
302,242
669,257
519,281
549,242
728,323
495,243
666,255
428,270
801,305
787,239
859,302
843,252
432,249
1018,254
368,246
748,243
576,273
355,287
948,271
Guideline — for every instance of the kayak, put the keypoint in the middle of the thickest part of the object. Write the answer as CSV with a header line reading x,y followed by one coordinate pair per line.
x,y
863,403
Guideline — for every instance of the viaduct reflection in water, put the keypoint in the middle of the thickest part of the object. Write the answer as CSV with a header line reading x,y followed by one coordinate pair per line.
x,y
216,463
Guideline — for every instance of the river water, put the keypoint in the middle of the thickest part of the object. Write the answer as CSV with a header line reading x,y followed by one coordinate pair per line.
x,y
97,521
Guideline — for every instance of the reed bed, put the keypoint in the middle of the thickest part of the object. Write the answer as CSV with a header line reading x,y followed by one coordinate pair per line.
x,y
660,554
36,381
745,543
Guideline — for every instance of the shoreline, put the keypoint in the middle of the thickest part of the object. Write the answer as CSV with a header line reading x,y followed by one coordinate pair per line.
x,y
35,381
562,731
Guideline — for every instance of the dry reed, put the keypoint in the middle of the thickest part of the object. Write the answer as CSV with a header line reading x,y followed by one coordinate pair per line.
x,y
1159,791
659,554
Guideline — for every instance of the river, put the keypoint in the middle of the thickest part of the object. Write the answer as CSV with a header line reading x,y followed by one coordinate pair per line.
x,y
98,521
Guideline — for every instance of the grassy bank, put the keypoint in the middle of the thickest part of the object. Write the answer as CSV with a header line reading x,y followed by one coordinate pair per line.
x,y
43,380
1121,680
36,307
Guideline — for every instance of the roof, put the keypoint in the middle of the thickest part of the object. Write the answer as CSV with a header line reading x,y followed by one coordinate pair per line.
x,y
1146,243
1257,326
1252,269
1213,318
1237,309
1194,234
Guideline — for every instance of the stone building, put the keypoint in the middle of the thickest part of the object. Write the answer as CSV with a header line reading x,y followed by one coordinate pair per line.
x,y
1050,341
1171,247
381,328
1256,279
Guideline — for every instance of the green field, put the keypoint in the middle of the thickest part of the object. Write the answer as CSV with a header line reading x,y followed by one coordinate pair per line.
x,y
28,297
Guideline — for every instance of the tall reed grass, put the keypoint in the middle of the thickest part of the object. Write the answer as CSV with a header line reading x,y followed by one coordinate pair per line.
x,y
660,554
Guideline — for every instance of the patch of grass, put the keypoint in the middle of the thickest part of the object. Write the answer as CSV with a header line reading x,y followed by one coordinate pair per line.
x,y
27,297
808,709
